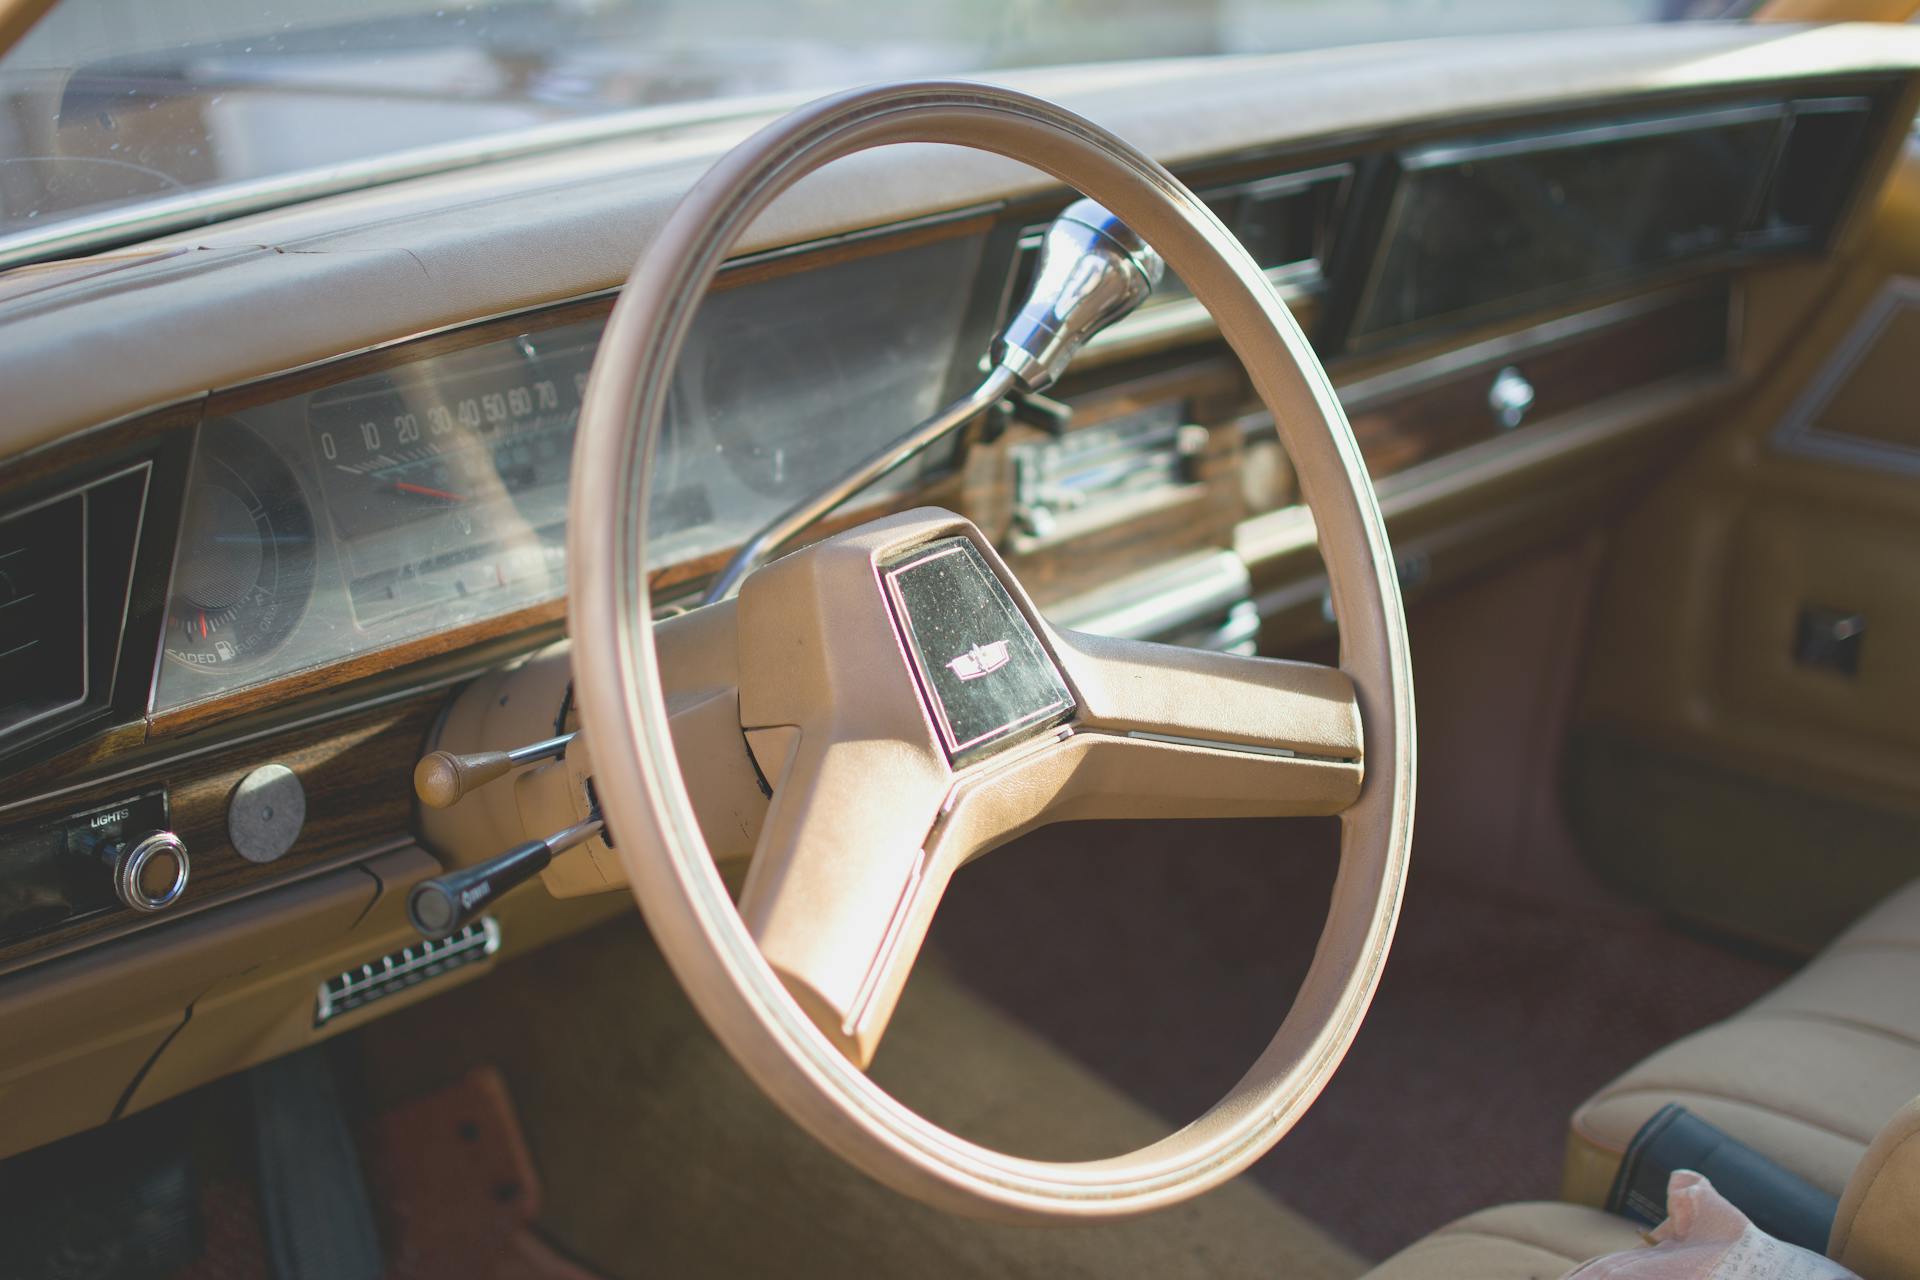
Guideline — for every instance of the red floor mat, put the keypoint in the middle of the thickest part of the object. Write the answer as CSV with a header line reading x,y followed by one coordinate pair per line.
x,y
453,1190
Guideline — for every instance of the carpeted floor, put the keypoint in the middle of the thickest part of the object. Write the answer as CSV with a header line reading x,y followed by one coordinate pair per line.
x,y
658,1158
174,1193
1164,956
1095,986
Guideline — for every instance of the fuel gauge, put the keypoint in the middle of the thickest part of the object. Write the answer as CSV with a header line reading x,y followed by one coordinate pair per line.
x,y
244,570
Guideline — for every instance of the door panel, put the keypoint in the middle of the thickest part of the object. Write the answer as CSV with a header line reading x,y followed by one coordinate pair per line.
x,y
1747,747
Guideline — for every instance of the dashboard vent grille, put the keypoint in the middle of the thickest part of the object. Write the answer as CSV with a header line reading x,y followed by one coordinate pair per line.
x,y
43,612
408,967
65,566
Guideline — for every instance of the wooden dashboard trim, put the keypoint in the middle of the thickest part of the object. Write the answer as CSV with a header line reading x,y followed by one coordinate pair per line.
x,y
1365,392
196,715
355,769
1268,542
1444,406
1493,501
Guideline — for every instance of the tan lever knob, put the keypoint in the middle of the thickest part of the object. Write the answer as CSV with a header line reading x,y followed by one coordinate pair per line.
x,y
443,777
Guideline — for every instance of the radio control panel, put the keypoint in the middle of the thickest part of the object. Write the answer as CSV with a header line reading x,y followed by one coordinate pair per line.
x,y
1100,474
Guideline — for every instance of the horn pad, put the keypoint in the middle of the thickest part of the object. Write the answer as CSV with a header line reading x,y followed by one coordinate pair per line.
x,y
986,678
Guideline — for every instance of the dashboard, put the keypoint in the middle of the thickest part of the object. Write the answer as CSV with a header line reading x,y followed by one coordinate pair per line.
x,y
363,511
1523,306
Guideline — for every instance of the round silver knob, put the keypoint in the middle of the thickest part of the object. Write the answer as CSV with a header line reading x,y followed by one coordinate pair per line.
x,y
151,873
1510,396
266,812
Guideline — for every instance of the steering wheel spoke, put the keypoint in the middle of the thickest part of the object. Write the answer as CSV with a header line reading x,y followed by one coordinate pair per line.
x,y
1171,732
841,889
904,650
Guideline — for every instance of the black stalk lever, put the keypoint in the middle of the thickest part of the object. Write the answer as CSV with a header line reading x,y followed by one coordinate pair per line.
x,y
448,903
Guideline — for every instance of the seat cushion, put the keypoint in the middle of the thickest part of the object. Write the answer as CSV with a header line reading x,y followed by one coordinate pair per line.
x,y
1538,1241
1806,1075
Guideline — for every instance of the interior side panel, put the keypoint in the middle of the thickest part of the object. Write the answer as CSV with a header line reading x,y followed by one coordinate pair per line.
x,y
1746,748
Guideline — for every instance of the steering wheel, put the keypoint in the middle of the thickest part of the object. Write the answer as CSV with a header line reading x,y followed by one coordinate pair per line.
x,y
911,709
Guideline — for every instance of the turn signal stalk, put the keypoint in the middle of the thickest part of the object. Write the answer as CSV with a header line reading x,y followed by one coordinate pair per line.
x,y
446,904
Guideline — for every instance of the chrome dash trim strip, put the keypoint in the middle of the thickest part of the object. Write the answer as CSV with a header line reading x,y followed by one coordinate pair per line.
x,y
1799,431
1240,748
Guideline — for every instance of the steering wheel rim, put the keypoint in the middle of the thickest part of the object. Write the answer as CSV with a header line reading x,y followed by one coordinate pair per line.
x,y
625,716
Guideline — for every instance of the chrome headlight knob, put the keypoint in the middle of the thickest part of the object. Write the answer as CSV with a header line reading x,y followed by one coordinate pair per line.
x,y
151,873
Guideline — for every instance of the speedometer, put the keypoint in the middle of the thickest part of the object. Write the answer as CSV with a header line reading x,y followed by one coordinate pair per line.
x,y
446,484
397,451
244,570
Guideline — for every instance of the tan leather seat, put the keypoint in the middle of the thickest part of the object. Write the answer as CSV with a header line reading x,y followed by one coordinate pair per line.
x,y
1876,1233
1537,1241
1806,1075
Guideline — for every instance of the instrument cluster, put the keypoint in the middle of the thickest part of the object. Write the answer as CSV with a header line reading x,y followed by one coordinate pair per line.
x,y
431,493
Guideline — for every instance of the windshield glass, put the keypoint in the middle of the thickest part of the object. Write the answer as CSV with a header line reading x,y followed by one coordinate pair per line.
x,y
174,111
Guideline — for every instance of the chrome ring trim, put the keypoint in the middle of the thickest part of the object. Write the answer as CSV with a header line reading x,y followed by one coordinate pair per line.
x,y
126,872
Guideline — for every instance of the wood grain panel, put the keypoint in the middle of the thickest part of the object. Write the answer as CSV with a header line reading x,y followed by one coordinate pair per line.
x,y
274,693
79,458
1437,416
357,772
96,752
1192,521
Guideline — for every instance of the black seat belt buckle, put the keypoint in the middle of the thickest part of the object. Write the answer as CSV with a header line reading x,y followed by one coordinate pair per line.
x,y
1780,1203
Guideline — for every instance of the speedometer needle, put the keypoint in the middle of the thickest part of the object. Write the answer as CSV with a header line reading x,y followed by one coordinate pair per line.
x,y
427,491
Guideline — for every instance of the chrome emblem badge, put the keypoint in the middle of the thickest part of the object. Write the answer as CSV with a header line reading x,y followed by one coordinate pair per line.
x,y
980,660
